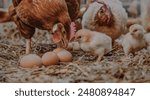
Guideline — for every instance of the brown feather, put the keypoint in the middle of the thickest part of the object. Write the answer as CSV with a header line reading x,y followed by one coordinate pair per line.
x,y
43,14
73,8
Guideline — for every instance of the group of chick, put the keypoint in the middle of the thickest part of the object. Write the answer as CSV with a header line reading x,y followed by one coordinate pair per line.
x,y
100,44
96,43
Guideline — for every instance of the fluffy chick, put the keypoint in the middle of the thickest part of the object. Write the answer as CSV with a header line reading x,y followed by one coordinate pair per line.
x,y
134,40
95,42
147,38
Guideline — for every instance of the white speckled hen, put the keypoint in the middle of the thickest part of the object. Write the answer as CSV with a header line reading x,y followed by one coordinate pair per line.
x,y
106,16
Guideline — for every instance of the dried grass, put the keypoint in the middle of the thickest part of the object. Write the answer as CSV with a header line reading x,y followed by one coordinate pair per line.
x,y
113,68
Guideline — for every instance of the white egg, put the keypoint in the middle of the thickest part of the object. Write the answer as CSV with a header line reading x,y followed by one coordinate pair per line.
x,y
31,60
50,58
63,55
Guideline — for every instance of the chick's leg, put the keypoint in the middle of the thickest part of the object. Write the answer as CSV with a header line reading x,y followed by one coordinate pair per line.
x,y
100,52
28,46
126,51
26,31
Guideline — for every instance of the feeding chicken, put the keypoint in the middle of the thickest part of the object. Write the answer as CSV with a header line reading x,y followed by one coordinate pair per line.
x,y
106,16
56,16
94,42
134,40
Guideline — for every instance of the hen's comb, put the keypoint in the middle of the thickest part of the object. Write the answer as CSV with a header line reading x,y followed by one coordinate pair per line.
x,y
72,30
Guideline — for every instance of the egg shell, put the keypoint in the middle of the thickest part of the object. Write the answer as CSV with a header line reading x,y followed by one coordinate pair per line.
x,y
50,58
30,61
57,50
65,56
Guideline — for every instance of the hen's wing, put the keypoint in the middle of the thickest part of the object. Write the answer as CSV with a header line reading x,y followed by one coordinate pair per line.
x,y
73,8
25,30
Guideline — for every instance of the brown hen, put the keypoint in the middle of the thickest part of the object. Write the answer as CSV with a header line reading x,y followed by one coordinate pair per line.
x,y
52,15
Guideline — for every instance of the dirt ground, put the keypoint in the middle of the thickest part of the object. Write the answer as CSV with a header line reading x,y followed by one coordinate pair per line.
x,y
114,67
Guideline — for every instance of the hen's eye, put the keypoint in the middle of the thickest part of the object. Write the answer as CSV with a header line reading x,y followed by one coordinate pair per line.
x,y
101,11
64,32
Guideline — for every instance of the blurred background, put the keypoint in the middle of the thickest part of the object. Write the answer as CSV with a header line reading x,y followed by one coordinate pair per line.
x,y
132,6
5,3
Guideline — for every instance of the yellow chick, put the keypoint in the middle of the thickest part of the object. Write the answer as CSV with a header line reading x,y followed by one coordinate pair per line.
x,y
95,42
134,40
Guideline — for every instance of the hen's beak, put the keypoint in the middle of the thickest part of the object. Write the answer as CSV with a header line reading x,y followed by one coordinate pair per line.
x,y
108,16
60,39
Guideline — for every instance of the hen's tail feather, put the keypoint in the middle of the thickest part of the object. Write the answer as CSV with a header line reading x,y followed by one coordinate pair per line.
x,y
4,16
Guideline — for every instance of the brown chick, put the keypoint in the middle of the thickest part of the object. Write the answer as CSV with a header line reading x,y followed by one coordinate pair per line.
x,y
134,40
95,42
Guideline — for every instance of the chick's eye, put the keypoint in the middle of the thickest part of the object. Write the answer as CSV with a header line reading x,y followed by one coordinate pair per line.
x,y
135,30
79,37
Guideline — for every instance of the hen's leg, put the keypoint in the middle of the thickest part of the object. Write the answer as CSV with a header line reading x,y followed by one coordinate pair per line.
x,y
26,31
28,46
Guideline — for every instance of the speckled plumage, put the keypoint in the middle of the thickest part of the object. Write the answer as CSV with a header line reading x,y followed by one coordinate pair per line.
x,y
43,14
117,22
